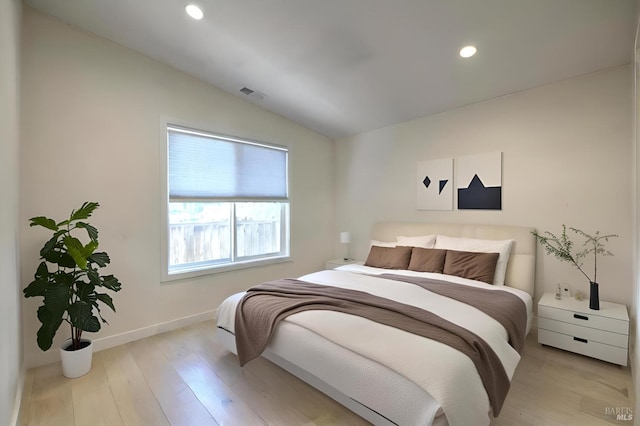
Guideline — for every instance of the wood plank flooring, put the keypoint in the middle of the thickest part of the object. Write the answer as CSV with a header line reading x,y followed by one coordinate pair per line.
x,y
184,377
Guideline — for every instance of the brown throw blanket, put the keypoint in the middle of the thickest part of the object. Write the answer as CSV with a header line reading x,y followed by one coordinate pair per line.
x,y
264,305
506,308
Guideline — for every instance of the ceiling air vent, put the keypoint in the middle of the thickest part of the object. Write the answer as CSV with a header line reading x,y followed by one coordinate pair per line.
x,y
253,93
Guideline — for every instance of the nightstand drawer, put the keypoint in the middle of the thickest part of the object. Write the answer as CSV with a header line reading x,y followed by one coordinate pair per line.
x,y
584,319
593,349
590,334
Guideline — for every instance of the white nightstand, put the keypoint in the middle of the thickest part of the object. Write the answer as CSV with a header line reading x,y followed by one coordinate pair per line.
x,y
569,324
334,263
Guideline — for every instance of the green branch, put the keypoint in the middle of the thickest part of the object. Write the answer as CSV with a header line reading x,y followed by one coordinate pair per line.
x,y
562,248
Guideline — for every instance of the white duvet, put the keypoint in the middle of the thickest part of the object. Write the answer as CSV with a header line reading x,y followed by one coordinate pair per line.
x,y
448,378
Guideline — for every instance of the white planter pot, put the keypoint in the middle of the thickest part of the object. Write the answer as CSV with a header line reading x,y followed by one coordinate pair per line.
x,y
76,363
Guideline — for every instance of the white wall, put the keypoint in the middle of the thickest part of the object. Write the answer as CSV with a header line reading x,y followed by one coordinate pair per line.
x,y
11,367
91,132
567,158
635,305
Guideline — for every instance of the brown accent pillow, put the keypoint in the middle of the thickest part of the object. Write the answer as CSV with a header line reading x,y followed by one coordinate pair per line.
x,y
471,265
427,260
389,257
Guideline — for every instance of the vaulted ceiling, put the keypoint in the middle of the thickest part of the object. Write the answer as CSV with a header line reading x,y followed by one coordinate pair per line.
x,y
342,67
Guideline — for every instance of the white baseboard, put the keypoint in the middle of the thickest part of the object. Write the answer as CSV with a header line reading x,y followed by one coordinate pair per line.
x,y
42,358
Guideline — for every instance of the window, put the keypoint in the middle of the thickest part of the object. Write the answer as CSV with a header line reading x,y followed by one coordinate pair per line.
x,y
227,205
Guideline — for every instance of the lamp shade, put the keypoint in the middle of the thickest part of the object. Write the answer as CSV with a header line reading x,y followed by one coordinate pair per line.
x,y
345,237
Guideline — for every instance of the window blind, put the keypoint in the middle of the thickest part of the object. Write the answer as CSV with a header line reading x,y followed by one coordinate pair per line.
x,y
203,166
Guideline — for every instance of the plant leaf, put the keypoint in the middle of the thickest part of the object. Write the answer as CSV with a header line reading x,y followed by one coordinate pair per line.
x,y
94,277
101,259
106,299
50,324
111,282
42,270
97,306
38,287
89,248
60,258
86,292
81,316
43,221
56,297
76,251
65,278
84,211
91,230
52,243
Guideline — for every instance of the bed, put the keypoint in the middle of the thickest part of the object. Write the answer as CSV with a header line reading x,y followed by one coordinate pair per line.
x,y
390,376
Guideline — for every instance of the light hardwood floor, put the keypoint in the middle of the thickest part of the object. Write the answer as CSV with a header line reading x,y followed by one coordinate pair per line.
x,y
184,377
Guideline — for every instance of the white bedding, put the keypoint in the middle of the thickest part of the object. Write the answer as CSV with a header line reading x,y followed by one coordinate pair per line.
x,y
426,379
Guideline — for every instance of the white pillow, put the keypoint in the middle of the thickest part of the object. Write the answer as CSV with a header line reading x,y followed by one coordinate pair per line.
x,y
503,247
383,243
424,241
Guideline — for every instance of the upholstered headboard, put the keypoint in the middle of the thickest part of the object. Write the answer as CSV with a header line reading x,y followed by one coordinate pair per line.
x,y
522,262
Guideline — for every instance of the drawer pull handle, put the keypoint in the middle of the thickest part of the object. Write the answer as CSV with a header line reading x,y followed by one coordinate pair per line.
x,y
577,339
582,317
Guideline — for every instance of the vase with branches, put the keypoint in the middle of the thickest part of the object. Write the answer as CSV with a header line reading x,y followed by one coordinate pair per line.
x,y
562,247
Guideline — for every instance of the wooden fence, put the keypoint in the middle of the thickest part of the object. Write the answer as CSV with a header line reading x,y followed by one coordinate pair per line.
x,y
211,242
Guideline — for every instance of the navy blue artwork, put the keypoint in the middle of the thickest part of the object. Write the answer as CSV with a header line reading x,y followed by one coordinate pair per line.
x,y
443,183
426,182
479,197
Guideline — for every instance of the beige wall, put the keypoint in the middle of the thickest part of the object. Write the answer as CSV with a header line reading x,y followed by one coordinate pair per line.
x,y
11,366
635,355
91,132
567,158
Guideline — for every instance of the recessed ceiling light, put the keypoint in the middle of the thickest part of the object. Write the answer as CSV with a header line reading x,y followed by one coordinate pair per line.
x,y
468,51
194,11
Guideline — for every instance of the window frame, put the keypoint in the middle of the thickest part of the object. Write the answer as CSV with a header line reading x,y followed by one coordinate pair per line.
x,y
245,261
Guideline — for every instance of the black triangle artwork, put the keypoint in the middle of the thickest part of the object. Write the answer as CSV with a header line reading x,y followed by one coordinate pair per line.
x,y
479,197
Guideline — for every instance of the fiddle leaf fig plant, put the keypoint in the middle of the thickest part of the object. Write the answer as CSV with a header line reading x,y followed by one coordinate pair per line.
x,y
562,248
69,279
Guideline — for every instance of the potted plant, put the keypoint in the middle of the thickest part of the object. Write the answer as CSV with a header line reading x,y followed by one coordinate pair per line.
x,y
68,278
562,248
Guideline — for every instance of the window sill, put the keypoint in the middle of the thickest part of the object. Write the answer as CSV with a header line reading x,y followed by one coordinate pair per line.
x,y
176,276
